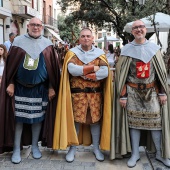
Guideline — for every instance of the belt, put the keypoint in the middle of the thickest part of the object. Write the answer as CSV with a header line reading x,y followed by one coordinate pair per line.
x,y
27,85
86,90
141,86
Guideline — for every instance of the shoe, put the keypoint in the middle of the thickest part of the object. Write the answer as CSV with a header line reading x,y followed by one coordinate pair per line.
x,y
132,161
36,154
165,161
16,157
98,154
71,154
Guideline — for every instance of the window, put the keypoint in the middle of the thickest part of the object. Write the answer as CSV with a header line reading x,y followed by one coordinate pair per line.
x,y
99,35
117,44
104,34
1,3
50,11
55,14
100,45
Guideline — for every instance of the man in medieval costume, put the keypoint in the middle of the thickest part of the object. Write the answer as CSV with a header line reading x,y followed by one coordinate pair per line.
x,y
84,103
141,100
28,96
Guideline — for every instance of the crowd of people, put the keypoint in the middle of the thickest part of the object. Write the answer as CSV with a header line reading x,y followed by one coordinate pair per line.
x,y
80,104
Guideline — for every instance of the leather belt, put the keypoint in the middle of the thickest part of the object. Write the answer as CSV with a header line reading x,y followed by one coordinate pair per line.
x,y
28,85
141,86
86,90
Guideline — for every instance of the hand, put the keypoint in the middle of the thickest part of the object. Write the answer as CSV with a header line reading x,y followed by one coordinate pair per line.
x,y
163,99
51,93
123,102
10,90
96,68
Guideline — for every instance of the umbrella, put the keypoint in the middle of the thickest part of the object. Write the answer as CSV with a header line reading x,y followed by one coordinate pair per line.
x,y
107,38
162,22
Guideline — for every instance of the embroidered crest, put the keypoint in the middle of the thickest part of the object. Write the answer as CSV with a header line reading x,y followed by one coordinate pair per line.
x,y
142,69
29,63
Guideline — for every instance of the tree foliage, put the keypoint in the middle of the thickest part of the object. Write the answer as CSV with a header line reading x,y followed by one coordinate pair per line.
x,y
110,13
68,32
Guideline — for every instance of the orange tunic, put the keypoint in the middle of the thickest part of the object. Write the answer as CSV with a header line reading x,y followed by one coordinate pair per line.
x,y
64,129
87,107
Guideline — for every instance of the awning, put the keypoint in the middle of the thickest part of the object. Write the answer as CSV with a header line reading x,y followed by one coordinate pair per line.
x,y
54,34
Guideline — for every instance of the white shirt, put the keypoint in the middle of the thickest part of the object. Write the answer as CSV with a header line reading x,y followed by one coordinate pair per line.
x,y
1,66
110,58
7,44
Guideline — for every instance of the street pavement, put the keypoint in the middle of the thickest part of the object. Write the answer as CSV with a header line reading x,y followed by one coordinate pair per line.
x,y
84,160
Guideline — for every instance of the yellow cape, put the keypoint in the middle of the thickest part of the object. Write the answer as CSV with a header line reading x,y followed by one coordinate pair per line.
x,y
64,129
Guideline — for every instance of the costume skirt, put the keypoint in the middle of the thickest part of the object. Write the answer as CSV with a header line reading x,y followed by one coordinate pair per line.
x,y
30,103
143,109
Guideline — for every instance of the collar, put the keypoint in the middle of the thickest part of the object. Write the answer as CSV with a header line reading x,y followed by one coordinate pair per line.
x,y
31,45
87,56
143,52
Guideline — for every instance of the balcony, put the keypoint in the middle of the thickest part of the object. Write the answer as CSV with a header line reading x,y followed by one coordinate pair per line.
x,y
26,11
49,21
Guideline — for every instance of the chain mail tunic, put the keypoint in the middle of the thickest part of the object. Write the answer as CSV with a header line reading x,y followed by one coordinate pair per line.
x,y
143,107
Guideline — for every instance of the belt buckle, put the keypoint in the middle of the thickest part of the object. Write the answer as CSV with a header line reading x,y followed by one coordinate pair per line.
x,y
86,90
141,86
93,89
89,90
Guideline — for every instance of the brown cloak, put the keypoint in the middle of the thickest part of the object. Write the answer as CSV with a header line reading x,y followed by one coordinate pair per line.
x,y
7,114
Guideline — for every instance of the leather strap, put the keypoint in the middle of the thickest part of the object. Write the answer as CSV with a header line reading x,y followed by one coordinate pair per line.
x,y
141,86
28,85
86,90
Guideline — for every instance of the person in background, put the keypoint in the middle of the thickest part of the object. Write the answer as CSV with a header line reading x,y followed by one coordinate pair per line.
x,y
10,41
71,46
56,44
84,103
3,55
118,50
28,93
141,106
61,52
66,48
110,56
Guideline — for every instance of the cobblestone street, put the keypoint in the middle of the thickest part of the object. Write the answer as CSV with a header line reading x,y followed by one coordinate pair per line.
x,y
84,160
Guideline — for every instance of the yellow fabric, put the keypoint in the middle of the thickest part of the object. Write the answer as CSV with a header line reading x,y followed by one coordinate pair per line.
x,y
64,129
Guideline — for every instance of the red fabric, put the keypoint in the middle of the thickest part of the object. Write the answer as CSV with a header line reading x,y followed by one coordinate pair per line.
x,y
7,116
142,70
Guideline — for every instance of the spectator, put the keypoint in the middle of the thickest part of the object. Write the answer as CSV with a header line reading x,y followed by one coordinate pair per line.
x,y
61,52
110,55
3,55
10,41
